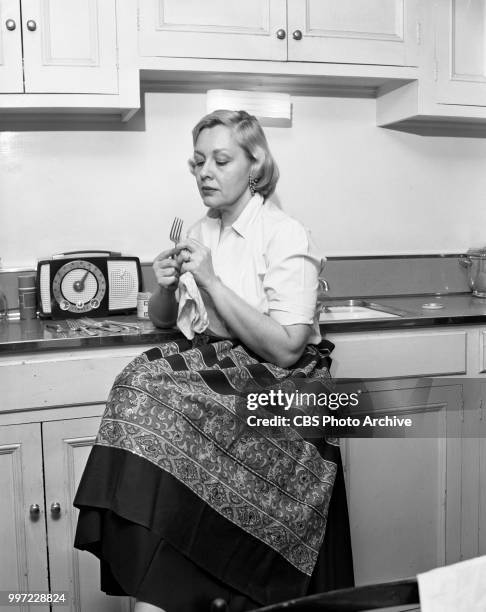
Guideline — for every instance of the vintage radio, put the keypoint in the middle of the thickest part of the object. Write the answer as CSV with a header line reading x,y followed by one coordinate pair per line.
x,y
81,283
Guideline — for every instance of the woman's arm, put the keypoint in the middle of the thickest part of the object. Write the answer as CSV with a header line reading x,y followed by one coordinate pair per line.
x,y
280,344
277,343
162,308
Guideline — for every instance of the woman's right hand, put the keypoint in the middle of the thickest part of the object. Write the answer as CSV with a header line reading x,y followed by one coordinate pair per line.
x,y
167,269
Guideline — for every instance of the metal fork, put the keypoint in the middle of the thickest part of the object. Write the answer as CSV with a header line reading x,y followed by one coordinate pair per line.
x,y
176,230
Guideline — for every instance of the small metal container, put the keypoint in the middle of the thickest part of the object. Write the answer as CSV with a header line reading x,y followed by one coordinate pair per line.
x,y
27,296
475,262
142,305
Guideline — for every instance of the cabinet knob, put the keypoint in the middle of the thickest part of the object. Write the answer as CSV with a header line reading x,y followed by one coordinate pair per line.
x,y
55,509
281,34
31,25
10,25
297,35
34,511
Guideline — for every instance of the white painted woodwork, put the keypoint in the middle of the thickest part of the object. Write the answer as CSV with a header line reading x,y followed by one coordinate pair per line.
x,y
66,448
23,551
59,378
399,500
11,77
74,47
398,353
228,29
382,32
460,52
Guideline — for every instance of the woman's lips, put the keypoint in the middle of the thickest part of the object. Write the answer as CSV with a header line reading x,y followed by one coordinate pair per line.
x,y
208,189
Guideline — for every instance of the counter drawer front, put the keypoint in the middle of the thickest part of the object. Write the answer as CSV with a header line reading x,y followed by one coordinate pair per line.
x,y
383,355
61,379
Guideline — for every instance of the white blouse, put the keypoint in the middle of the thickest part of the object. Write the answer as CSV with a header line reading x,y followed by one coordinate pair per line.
x,y
267,258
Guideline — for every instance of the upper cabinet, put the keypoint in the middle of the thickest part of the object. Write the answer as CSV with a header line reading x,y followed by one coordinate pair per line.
x,y
11,78
449,96
230,29
69,46
69,55
460,70
382,32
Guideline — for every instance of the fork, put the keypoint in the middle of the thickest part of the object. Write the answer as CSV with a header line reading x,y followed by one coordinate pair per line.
x,y
176,230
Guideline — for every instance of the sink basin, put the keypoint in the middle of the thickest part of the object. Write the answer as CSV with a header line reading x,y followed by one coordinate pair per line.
x,y
349,310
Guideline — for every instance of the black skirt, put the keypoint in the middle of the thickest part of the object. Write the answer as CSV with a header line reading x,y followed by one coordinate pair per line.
x,y
163,540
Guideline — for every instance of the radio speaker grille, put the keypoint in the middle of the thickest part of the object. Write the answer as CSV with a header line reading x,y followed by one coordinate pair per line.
x,y
45,290
123,280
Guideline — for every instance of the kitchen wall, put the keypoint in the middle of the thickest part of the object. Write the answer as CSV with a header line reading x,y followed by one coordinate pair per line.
x,y
363,190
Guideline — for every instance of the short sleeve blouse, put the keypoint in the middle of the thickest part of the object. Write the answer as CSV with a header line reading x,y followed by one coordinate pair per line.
x,y
269,259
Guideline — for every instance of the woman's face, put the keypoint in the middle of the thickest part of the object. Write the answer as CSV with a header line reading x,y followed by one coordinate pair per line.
x,y
221,168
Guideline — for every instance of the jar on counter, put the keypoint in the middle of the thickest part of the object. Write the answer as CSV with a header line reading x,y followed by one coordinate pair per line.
x,y
27,296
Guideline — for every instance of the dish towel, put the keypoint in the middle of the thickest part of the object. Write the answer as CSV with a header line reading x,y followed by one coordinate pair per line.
x,y
460,587
192,317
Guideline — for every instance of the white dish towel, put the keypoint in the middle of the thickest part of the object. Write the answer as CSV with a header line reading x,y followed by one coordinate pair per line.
x,y
192,317
460,587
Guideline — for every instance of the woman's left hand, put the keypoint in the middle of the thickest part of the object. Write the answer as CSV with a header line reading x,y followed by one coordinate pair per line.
x,y
196,258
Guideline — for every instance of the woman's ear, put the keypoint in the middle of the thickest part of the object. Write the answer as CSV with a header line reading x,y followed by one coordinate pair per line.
x,y
257,165
192,165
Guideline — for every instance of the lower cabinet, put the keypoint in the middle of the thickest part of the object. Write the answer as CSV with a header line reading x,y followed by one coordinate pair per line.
x,y
404,492
415,501
38,518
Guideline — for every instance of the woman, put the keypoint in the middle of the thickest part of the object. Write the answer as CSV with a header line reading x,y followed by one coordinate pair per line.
x,y
181,500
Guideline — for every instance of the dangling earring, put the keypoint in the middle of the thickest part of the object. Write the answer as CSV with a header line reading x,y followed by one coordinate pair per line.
x,y
252,182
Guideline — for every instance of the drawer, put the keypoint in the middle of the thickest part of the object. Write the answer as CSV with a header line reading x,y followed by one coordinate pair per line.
x,y
63,378
398,354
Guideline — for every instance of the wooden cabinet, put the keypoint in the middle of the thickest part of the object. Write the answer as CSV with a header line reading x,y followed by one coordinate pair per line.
x,y
68,47
449,96
23,547
214,29
382,32
66,448
404,492
334,31
39,480
415,502
460,61
11,77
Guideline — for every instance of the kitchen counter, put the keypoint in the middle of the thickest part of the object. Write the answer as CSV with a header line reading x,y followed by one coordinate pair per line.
x,y
26,336
458,309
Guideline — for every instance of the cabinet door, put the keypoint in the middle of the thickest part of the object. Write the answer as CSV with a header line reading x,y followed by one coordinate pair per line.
x,y
215,28
66,449
70,46
23,550
11,77
382,32
404,493
461,60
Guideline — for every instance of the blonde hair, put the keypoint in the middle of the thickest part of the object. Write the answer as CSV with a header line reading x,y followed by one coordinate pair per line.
x,y
251,138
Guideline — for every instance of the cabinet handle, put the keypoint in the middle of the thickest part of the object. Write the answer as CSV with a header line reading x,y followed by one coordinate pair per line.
x,y
55,509
34,511
11,25
281,34
297,35
31,25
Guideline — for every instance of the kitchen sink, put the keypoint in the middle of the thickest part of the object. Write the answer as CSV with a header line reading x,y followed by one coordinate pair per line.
x,y
357,309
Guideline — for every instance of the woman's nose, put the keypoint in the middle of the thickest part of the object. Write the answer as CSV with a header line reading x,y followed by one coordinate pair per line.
x,y
206,171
